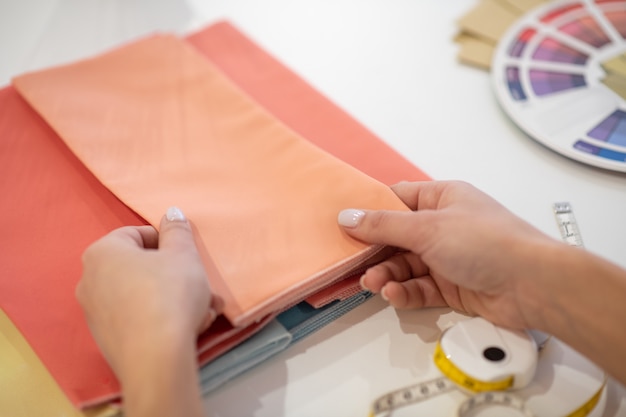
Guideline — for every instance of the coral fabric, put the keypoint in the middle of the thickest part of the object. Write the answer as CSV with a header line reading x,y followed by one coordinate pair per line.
x,y
158,124
53,207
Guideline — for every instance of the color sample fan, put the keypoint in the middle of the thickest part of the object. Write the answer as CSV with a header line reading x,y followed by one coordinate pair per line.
x,y
560,74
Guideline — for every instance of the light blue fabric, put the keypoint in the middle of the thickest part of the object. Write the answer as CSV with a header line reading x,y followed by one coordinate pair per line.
x,y
288,328
301,320
268,341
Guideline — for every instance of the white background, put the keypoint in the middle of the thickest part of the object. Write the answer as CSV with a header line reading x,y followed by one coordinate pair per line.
x,y
391,64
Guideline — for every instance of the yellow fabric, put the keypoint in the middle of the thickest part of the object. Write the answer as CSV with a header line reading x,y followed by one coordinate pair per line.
x,y
26,387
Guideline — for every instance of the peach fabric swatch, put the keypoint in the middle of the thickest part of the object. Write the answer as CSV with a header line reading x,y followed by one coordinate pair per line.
x,y
298,105
158,124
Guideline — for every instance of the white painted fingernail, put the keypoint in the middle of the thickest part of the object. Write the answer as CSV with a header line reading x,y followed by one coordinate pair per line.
x,y
383,293
211,316
362,282
350,217
174,214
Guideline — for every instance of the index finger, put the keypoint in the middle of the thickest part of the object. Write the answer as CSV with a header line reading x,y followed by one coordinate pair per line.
x,y
145,237
421,195
434,195
125,238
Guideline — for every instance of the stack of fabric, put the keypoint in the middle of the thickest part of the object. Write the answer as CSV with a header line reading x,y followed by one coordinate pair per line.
x,y
211,123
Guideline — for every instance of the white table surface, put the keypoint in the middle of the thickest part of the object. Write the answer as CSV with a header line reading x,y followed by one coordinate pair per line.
x,y
391,64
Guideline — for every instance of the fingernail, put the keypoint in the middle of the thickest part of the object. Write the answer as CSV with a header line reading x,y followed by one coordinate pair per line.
x,y
383,293
350,217
362,282
211,316
174,214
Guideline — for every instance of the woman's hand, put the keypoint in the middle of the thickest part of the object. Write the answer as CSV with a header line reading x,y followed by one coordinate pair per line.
x,y
461,249
464,250
146,297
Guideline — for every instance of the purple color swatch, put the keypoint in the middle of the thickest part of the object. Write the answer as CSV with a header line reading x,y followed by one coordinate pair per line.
x,y
554,51
548,82
612,129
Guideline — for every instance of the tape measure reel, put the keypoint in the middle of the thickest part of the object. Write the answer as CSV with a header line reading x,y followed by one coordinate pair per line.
x,y
503,373
478,356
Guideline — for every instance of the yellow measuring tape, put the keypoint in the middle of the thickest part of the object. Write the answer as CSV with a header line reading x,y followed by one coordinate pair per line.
x,y
482,393
453,373
493,357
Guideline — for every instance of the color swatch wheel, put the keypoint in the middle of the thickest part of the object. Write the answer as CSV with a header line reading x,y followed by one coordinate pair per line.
x,y
560,74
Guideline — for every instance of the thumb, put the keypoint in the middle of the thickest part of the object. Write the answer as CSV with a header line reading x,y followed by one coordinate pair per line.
x,y
175,232
384,227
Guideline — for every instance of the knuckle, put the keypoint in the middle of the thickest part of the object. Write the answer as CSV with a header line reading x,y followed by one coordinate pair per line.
x,y
178,228
379,219
89,254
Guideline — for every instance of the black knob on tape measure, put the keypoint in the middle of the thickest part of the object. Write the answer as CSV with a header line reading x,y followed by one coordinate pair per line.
x,y
494,354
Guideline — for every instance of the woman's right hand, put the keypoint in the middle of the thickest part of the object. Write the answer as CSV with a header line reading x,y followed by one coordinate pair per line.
x,y
461,249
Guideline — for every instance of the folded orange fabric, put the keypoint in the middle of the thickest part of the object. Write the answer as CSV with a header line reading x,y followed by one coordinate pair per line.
x,y
298,105
54,207
158,124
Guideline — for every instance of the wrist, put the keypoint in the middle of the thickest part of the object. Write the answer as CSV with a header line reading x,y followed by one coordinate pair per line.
x,y
144,347
563,286
159,376
540,283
